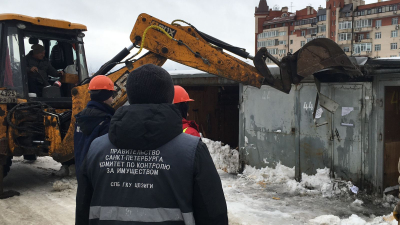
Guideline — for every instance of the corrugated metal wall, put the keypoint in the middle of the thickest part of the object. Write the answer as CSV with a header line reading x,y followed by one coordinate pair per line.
x,y
277,127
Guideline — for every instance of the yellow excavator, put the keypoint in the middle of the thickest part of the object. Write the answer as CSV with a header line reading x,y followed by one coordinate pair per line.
x,y
32,125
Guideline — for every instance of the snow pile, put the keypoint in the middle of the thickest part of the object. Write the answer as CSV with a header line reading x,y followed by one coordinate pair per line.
x,y
352,220
389,201
281,174
325,220
224,157
320,183
64,184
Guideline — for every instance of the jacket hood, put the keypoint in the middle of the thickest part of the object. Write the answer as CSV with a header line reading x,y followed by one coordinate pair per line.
x,y
93,115
145,126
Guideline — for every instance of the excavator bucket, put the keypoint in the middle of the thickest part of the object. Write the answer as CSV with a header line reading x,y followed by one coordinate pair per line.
x,y
323,53
316,55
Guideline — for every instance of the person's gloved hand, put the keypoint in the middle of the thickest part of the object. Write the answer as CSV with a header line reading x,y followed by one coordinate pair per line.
x,y
396,211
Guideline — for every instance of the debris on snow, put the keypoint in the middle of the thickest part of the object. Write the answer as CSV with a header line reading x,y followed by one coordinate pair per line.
x,y
64,184
224,157
358,203
317,184
354,189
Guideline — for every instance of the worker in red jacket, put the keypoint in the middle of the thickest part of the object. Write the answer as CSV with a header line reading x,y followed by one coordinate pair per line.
x,y
181,100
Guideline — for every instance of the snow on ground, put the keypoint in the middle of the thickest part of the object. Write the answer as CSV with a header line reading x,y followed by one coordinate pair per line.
x,y
258,196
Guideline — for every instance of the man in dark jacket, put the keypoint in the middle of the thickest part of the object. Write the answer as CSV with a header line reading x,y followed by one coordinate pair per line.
x,y
145,170
38,70
94,120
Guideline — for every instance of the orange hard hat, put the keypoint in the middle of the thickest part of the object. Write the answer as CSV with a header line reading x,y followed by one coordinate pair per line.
x,y
181,95
101,82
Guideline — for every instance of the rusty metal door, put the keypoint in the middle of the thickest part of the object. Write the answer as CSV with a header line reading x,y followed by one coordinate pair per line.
x,y
346,132
391,135
315,146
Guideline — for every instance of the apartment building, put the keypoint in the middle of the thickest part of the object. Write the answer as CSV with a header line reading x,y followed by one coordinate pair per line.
x,y
361,30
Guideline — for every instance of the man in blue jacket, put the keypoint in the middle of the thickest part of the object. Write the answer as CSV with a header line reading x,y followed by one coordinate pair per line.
x,y
145,171
94,120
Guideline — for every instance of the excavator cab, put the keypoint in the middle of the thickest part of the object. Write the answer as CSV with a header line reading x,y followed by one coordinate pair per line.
x,y
31,124
63,43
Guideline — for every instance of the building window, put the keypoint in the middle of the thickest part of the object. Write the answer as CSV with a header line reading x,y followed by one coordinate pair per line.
x,y
378,35
360,37
269,34
312,31
332,34
282,51
344,36
334,4
272,51
369,12
283,24
282,42
379,10
368,37
377,47
393,56
395,20
302,43
321,29
303,33
393,33
345,25
283,33
291,50
291,42
363,23
346,49
358,48
378,23
291,23
393,46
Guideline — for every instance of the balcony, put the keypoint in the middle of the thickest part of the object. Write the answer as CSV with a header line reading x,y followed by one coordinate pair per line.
x,y
363,53
345,30
346,42
366,40
305,26
363,29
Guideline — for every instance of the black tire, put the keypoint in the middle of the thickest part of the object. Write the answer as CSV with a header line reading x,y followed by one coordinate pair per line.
x,y
7,167
30,157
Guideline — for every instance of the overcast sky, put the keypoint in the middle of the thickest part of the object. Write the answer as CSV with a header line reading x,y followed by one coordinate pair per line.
x,y
110,23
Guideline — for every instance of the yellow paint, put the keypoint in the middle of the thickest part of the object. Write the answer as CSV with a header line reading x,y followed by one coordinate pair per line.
x,y
219,63
64,151
62,24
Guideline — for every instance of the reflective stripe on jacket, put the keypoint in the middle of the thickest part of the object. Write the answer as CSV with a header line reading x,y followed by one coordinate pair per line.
x,y
142,185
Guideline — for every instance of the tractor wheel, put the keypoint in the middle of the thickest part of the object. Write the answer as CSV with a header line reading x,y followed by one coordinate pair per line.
x,y
7,166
